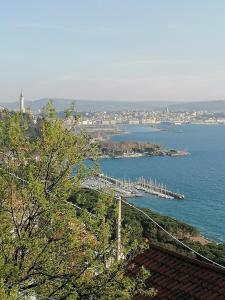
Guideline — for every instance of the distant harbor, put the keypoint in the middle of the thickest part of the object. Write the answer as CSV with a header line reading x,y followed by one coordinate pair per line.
x,y
128,188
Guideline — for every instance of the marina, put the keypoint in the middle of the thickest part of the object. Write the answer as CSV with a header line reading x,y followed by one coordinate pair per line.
x,y
152,187
128,188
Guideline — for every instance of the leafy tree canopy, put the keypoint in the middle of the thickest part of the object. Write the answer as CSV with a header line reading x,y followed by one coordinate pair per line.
x,y
48,249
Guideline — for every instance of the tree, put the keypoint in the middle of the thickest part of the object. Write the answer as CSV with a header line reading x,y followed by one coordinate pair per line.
x,y
48,249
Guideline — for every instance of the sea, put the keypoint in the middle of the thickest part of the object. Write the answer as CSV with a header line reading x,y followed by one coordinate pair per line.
x,y
199,176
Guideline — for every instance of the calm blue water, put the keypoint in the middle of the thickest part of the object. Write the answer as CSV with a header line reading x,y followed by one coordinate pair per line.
x,y
200,176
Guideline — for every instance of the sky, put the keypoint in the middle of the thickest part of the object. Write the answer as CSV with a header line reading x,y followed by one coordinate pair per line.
x,y
130,50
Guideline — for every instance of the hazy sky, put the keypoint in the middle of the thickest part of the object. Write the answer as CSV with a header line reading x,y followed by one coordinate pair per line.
x,y
112,49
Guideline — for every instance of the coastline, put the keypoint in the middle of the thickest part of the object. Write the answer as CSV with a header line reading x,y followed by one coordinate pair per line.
x,y
137,155
200,239
203,238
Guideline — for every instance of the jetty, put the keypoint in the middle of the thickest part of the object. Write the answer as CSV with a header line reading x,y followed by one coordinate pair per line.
x,y
128,188
152,187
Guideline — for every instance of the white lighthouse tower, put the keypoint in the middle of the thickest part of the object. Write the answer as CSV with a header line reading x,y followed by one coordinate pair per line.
x,y
22,108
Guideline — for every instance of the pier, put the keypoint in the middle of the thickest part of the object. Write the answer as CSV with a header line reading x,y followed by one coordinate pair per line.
x,y
155,188
129,188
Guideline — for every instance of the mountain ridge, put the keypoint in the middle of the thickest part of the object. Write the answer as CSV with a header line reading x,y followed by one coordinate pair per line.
x,y
101,105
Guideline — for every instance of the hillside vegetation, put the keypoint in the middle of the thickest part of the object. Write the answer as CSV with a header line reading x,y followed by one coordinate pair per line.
x,y
142,228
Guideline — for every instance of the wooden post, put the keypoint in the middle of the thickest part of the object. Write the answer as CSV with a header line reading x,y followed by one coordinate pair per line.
x,y
119,231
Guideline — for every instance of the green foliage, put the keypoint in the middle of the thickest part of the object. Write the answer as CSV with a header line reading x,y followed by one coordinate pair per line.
x,y
213,251
47,247
182,231
139,228
137,221
113,148
5,294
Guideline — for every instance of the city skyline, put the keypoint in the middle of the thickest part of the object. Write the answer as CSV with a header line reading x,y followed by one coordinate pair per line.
x,y
113,50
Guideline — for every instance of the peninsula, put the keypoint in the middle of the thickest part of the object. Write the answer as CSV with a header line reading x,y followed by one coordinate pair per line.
x,y
112,149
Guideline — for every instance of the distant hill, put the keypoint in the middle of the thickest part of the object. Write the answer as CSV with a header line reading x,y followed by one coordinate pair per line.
x,y
91,105
95,105
210,106
36,105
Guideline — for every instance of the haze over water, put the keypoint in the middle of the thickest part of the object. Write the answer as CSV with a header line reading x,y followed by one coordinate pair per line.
x,y
200,176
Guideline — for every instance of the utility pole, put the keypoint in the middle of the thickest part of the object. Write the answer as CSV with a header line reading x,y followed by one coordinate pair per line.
x,y
119,230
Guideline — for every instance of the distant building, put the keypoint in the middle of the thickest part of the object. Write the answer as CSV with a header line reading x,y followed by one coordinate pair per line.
x,y
149,121
134,122
105,122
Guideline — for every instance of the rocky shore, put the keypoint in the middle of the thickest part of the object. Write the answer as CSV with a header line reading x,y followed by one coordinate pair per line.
x,y
200,239
112,149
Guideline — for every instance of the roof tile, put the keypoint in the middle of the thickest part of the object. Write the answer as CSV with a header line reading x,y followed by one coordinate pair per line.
x,y
178,277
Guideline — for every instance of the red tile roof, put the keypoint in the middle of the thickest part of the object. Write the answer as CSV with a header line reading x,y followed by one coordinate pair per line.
x,y
178,277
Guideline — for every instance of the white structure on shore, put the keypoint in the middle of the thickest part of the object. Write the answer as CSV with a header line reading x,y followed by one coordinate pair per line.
x,y
22,108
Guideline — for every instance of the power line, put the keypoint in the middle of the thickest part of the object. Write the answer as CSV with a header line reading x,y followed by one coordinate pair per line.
x,y
172,236
15,176
25,181
146,215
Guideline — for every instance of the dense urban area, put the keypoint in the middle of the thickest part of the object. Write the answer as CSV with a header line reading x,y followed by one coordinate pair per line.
x,y
151,117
